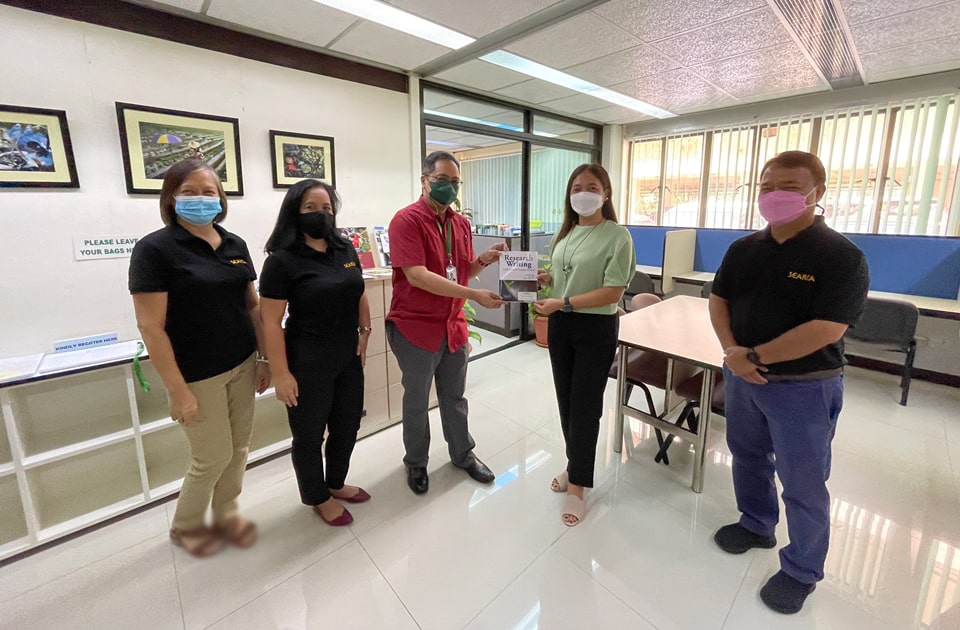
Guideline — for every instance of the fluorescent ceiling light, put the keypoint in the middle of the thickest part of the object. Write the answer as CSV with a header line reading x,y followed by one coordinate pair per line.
x,y
539,71
393,17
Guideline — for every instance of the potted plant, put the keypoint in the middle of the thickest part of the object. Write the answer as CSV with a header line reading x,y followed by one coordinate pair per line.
x,y
539,321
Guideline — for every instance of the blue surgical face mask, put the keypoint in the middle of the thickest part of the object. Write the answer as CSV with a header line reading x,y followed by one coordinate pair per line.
x,y
198,210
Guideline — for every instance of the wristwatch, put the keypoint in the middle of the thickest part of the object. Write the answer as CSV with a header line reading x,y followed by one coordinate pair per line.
x,y
567,306
753,357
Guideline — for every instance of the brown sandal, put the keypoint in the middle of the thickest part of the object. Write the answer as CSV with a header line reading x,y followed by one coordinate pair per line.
x,y
239,531
201,542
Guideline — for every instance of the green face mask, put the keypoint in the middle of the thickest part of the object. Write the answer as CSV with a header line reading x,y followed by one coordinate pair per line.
x,y
444,192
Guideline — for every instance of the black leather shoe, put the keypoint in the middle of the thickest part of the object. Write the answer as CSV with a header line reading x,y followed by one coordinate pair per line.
x,y
418,480
479,472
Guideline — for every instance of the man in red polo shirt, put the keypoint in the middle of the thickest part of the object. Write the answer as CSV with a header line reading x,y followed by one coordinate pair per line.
x,y
431,251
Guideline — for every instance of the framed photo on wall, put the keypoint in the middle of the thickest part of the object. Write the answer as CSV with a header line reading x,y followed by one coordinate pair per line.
x,y
297,156
35,149
154,139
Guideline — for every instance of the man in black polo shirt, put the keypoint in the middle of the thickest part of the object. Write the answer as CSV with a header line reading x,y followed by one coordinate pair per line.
x,y
781,303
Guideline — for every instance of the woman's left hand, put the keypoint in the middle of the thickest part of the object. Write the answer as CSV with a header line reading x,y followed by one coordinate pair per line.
x,y
262,376
548,306
362,348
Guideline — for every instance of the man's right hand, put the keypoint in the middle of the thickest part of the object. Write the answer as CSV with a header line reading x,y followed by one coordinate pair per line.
x,y
486,299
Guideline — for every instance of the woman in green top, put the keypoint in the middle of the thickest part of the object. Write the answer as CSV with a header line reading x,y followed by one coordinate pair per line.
x,y
593,262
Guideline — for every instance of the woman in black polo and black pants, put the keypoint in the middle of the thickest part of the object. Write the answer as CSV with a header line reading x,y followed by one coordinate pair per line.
x,y
317,362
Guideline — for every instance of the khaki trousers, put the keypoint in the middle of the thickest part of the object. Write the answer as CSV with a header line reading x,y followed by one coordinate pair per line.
x,y
219,445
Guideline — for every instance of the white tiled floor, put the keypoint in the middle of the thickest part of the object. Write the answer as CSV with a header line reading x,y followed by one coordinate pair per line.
x,y
467,555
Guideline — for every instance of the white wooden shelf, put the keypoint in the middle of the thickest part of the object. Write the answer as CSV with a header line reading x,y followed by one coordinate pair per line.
x,y
83,446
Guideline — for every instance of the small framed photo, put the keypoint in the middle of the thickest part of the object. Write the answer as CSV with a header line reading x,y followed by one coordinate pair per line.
x,y
35,149
154,139
297,156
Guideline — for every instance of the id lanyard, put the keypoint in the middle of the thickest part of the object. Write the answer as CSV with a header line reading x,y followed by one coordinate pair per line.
x,y
450,270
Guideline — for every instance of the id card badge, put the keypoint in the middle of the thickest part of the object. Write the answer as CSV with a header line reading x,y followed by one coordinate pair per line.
x,y
451,273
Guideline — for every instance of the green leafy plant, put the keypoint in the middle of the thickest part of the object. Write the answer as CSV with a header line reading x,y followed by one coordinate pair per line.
x,y
469,312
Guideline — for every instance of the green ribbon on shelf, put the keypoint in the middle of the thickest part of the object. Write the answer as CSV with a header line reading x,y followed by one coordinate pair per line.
x,y
138,370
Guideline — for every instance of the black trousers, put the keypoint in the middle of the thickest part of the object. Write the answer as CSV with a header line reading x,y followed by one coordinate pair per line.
x,y
582,347
331,399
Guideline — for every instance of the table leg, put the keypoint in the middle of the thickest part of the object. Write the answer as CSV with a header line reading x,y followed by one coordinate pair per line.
x,y
621,399
700,455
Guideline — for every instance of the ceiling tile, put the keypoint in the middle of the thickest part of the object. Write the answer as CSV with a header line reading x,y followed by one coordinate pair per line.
x,y
633,63
577,40
652,21
477,111
300,20
387,46
858,11
433,99
921,58
677,91
750,31
536,91
782,58
481,75
907,28
615,114
475,18
780,83
575,104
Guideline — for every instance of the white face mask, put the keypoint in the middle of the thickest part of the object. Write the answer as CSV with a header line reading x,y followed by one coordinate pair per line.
x,y
586,203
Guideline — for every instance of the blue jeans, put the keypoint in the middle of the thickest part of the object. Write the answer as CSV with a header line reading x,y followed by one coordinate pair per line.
x,y
787,427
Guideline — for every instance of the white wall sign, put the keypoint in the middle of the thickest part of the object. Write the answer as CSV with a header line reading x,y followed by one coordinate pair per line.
x,y
96,247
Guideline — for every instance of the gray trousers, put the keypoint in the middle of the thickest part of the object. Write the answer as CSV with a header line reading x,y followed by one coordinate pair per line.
x,y
419,369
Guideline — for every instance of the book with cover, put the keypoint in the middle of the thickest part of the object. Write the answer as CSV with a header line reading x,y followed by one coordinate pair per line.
x,y
383,243
518,276
360,239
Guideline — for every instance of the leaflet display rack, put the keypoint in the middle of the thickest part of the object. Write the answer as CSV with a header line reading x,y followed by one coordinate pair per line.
x,y
81,446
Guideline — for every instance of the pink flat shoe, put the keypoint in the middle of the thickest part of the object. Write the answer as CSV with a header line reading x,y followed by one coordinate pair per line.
x,y
360,497
344,519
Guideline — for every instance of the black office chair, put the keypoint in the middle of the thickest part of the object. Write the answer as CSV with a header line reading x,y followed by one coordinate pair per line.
x,y
641,283
690,390
706,289
890,326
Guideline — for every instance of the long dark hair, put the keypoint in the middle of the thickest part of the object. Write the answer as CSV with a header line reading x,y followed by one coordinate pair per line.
x,y
286,233
570,217
172,180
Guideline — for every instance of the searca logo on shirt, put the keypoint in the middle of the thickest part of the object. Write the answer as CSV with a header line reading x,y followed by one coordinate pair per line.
x,y
347,265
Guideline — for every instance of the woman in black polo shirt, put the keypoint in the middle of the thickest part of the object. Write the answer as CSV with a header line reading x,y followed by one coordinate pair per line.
x,y
318,361
198,312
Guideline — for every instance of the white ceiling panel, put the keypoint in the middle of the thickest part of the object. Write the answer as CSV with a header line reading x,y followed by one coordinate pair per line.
x,y
859,11
187,5
474,17
477,111
481,75
574,41
802,79
615,115
921,58
387,46
302,20
436,100
912,27
625,65
750,31
783,58
653,21
575,104
678,91
536,91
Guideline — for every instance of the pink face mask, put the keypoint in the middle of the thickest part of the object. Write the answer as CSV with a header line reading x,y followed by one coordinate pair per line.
x,y
780,207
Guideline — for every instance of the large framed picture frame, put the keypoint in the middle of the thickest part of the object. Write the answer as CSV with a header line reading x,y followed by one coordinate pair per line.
x,y
298,156
154,139
35,149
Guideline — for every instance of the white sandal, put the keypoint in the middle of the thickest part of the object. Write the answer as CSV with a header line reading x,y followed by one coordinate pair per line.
x,y
574,507
560,482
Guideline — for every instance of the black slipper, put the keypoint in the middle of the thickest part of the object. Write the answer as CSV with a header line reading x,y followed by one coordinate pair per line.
x,y
784,594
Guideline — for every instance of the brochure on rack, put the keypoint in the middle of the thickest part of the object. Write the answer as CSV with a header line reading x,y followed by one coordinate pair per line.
x,y
518,276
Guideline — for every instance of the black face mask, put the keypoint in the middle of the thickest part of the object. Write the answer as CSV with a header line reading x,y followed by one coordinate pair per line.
x,y
316,224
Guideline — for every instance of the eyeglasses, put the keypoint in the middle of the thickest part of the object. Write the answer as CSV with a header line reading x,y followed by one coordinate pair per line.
x,y
445,180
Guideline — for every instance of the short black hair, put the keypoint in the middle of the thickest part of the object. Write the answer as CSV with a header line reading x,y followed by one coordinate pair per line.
x,y
430,162
287,233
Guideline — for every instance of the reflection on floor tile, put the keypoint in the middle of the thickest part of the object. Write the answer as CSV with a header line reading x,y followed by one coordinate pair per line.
x,y
498,556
